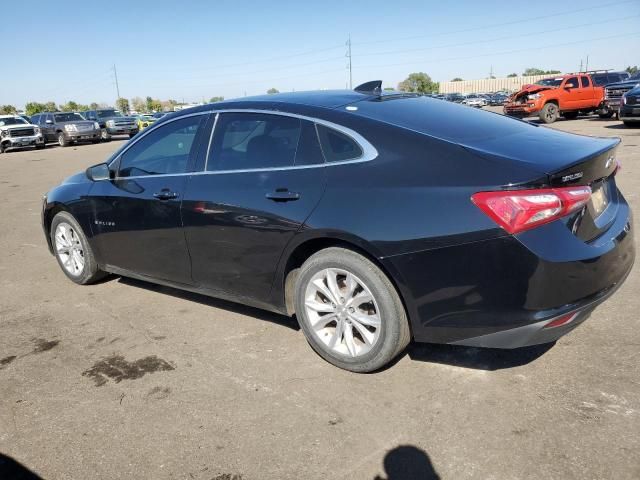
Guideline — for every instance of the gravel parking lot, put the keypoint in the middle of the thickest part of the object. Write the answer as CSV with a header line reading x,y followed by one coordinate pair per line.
x,y
125,379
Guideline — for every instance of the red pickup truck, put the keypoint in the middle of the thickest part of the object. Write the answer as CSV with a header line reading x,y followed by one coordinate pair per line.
x,y
550,98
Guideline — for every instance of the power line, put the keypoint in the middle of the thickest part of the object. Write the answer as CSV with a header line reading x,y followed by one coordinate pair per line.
x,y
592,39
501,24
510,37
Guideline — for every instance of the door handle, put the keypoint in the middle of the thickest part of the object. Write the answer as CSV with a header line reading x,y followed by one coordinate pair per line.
x,y
282,195
165,195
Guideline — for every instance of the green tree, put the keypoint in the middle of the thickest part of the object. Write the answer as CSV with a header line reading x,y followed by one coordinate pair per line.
x,y
418,82
457,79
536,71
512,75
272,90
32,108
155,105
216,99
70,106
50,107
632,70
8,110
93,106
122,104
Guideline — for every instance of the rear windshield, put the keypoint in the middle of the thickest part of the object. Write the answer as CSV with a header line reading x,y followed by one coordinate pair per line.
x,y
67,117
444,120
550,82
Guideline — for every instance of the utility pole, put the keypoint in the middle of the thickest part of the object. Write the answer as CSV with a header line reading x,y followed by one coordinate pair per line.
x,y
115,74
586,67
348,55
491,72
580,66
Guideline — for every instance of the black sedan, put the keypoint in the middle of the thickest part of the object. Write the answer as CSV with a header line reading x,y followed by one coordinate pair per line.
x,y
629,111
375,217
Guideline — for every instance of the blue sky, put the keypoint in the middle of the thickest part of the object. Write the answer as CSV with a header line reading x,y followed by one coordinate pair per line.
x,y
193,49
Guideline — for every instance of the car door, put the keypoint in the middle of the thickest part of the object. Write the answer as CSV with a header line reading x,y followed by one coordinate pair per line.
x,y
47,127
262,178
137,225
571,95
587,93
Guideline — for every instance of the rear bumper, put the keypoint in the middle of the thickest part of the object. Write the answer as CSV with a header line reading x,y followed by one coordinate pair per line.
x,y
500,293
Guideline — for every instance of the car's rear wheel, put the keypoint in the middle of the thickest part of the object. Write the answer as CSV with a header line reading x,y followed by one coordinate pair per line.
x,y
62,140
72,250
349,310
549,113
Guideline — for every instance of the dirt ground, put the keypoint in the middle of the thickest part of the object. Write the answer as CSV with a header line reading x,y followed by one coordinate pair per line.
x,y
125,379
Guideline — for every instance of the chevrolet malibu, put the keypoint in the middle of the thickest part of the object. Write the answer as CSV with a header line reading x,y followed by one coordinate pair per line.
x,y
376,218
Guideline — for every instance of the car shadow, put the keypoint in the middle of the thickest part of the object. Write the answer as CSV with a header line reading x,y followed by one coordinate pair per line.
x,y
476,358
10,469
617,126
407,462
238,308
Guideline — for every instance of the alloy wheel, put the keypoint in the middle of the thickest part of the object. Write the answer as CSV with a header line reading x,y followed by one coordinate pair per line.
x,y
343,312
69,249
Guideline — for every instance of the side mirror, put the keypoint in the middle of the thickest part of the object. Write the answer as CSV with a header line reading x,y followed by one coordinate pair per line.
x,y
49,122
99,172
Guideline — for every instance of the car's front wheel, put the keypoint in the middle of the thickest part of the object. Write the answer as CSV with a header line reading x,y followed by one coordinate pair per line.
x,y
349,310
549,113
62,140
104,135
72,250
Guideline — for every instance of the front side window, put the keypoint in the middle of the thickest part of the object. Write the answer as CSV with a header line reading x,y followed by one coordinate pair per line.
x,y
165,150
336,146
571,82
247,141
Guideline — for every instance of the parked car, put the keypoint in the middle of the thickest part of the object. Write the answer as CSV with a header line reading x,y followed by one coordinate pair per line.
x,y
614,92
16,132
26,118
629,111
66,128
474,101
454,97
462,227
112,123
550,98
144,120
497,99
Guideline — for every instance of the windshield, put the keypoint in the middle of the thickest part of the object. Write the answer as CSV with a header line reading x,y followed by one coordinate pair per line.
x,y
107,113
549,82
67,117
12,121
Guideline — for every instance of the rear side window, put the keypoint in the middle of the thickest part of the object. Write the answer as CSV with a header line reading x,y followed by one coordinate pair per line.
x,y
585,82
600,79
336,146
249,141
163,151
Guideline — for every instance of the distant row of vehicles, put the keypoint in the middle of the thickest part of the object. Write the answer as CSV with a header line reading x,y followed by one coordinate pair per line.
x,y
67,128
477,100
572,94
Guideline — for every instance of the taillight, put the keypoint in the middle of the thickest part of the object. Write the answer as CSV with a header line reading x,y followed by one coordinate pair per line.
x,y
520,210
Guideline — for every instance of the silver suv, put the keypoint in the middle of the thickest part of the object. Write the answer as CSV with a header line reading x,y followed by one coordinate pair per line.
x,y
16,132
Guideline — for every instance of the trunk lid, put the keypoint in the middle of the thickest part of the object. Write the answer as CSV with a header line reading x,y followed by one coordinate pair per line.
x,y
566,160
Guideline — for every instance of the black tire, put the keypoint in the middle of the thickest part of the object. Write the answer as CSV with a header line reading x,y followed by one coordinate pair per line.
x,y
394,333
549,113
3,147
62,140
104,135
607,114
570,115
96,140
40,146
90,273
